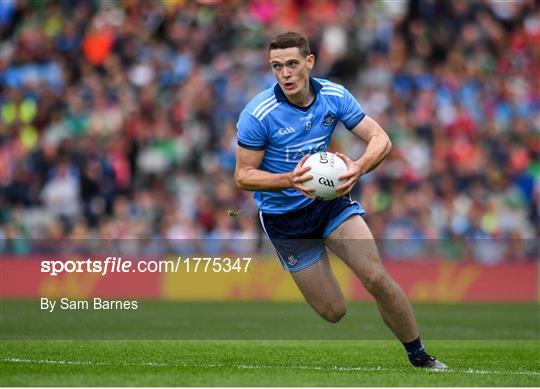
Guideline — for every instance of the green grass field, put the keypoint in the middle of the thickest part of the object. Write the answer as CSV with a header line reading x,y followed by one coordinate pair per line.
x,y
238,344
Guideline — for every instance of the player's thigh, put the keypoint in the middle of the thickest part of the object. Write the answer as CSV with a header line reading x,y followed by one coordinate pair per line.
x,y
320,287
353,243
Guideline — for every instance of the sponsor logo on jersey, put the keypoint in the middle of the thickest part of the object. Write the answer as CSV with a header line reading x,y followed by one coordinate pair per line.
x,y
293,153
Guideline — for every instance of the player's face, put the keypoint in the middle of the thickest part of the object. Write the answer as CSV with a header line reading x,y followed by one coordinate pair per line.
x,y
291,70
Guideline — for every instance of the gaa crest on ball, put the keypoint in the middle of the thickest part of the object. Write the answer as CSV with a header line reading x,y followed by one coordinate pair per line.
x,y
325,168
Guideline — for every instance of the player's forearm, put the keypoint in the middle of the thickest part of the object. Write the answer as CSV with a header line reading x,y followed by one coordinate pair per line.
x,y
259,180
377,149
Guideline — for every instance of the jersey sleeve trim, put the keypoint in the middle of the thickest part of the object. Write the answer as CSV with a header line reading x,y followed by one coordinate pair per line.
x,y
361,117
250,147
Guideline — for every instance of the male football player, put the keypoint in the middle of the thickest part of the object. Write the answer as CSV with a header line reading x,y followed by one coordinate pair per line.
x,y
277,131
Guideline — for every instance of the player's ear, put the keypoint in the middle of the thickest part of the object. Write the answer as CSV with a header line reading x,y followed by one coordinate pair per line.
x,y
310,59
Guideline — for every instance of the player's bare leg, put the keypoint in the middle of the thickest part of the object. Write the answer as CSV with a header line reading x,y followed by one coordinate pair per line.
x,y
321,290
354,244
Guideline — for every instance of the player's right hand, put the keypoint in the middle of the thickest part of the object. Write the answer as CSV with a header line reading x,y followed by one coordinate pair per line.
x,y
299,176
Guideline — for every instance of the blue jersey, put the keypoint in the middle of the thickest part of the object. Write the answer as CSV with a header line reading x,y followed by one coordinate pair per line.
x,y
287,132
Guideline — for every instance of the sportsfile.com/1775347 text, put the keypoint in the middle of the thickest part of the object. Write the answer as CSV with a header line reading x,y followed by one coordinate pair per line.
x,y
120,265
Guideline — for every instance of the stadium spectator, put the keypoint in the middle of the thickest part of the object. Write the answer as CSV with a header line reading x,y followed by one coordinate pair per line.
x,y
129,107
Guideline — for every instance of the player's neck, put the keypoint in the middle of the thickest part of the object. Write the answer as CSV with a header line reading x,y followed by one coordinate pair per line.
x,y
303,98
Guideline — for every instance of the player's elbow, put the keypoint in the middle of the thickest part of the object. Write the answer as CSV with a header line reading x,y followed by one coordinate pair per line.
x,y
388,146
240,179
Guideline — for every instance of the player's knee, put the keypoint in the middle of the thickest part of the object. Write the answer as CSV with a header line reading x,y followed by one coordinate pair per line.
x,y
376,283
334,313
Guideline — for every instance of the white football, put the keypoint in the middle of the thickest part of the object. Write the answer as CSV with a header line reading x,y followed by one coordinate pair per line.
x,y
325,168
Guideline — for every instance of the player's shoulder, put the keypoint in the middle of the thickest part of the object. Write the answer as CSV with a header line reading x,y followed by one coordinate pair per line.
x,y
330,88
262,102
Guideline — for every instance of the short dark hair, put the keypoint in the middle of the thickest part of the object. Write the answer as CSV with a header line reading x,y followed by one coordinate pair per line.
x,y
291,39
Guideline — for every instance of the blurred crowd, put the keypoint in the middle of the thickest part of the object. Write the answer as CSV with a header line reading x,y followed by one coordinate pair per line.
x,y
117,118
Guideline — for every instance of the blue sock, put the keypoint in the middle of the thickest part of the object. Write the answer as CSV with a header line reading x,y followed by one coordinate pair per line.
x,y
414,350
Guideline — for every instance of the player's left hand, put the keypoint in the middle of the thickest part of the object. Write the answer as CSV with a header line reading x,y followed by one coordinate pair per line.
x,y
351,176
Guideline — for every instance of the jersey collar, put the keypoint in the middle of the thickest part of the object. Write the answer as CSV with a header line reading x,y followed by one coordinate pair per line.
x,y
280,96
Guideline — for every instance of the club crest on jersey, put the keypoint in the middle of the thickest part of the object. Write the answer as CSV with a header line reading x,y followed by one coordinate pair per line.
x,y
329,119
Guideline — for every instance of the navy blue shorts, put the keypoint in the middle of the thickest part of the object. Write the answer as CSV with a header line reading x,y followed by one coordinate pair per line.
x,y
298,236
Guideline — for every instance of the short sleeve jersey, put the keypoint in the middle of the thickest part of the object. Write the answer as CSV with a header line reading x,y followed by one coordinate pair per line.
x,y
287,132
